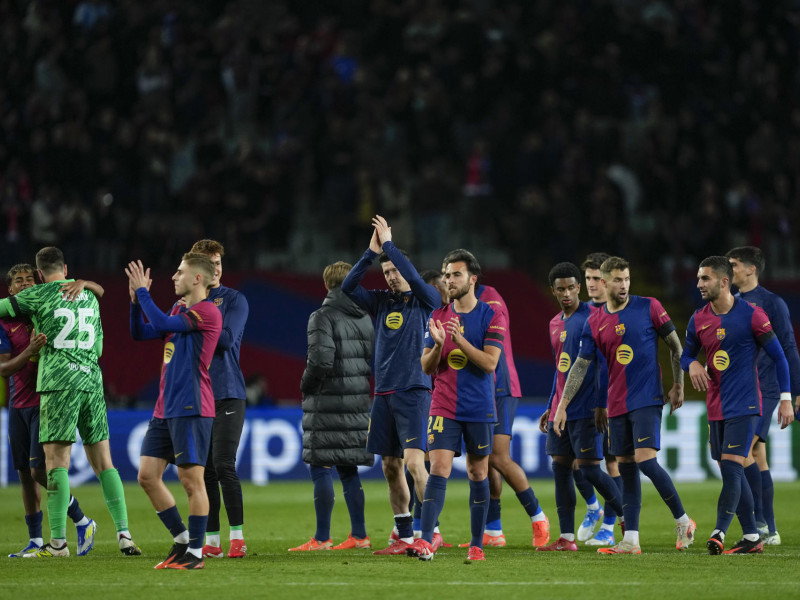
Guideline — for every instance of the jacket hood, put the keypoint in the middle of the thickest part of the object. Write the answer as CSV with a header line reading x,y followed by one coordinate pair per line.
x,y
337,299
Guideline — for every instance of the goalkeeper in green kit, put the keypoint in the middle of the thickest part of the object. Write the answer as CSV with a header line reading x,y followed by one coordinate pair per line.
x,y
70,386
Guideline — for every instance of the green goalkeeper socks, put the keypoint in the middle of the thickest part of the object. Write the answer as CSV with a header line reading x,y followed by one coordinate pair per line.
x,y
57,502
114,495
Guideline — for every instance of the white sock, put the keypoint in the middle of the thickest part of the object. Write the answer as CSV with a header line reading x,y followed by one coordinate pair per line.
x,y
236,534
83,521
631,538
751,537
570,537
182,537
38,541
540,516
718,532
196,552
58,543
594,505
212,540
436,529
683,519
493,532
607,527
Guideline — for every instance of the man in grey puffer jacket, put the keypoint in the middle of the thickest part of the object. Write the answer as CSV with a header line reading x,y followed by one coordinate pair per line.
x,y
336,407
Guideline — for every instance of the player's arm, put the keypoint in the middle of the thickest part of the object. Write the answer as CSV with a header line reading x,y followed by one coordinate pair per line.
x,y
574,382
689,363
546,414
426,293
675,394
352,282
139,329
233,322
9,365
772,346
321,352
484,358
782,326
434,342
72,289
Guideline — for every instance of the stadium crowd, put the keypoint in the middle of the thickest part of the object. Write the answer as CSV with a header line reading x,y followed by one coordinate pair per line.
x,y
645,128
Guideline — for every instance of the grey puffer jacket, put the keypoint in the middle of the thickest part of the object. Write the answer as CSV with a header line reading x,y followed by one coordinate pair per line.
x,y
335,383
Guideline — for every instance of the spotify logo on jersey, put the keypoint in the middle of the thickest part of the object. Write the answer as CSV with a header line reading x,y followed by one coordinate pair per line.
x,y
564,362
394,320
169,350
624,354
457,359
721,360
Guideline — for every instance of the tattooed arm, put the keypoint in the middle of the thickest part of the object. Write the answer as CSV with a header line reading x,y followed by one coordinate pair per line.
x,y
574,381
675,394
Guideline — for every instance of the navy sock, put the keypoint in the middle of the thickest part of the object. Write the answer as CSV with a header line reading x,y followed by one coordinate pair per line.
x,y
767,497
172,521
412,499
663,483
605,485
731,493
493,516
197,530
744,509
584,487
323,501
753,475
565,497
405,526
434,502
478,507
354,498
74,511
34,523
631,495
529,502
610,514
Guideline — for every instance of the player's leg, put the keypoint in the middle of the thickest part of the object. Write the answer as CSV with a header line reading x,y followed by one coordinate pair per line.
x,y
226,433
590,448
731,444
22,446
354,498
213,545
620,442
191,440
646,423
93,427
773,538
156,453
516,478
560,451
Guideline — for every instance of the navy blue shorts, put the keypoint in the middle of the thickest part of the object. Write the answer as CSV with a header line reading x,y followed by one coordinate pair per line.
x,y
580,440
23,437
446,434
732,436
506,411
640,428
397,422
768,406
606,451
180,440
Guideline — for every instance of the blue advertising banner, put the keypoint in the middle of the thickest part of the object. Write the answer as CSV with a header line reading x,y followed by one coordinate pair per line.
x,y
271,445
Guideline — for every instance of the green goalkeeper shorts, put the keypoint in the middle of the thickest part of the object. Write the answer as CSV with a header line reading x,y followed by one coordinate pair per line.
x,y
62,412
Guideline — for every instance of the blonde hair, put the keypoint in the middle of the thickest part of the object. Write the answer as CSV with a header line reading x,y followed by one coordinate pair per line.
x,y
334,274
201,263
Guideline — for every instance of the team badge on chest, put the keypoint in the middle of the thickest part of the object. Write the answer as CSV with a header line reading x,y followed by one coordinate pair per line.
x,y
721,333
563,337
619,329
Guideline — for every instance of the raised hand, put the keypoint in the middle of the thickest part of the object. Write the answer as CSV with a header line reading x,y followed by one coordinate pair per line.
x,y
382,229
437,331
375,242
138,277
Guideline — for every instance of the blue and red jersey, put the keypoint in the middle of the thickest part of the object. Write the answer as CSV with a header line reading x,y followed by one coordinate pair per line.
x,y
463,391
565,341
400,322
778,314
15,336
190,338
731,343
507,380
628,339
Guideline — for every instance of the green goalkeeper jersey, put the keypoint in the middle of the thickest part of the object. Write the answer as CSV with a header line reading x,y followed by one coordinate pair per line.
x,y
74,336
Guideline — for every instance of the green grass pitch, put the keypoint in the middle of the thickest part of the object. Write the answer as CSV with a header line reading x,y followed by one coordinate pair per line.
x,y
281,515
